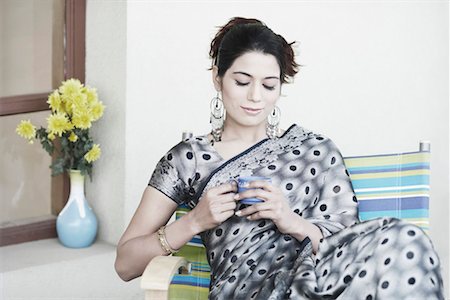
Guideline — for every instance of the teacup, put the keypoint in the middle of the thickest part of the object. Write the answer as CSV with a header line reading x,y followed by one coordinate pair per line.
x,y
243,181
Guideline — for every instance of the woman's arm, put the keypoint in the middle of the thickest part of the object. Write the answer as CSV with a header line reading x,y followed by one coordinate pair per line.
x,y
139,243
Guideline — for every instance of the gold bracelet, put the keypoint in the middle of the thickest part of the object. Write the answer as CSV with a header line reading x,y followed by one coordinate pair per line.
x,y
163,241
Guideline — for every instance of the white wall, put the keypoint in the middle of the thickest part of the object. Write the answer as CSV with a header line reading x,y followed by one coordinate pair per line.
x,y
375,80
106,44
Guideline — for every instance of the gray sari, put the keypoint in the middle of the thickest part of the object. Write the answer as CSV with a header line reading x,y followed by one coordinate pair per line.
x,y
377,259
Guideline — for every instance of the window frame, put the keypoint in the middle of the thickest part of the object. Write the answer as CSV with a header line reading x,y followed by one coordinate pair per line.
x,y
74,67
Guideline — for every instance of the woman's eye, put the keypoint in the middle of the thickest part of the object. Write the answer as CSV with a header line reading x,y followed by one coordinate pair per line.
x,y
270,88
241,83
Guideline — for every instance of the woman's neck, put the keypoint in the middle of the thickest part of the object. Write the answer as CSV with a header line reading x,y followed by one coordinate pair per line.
x,y
248,134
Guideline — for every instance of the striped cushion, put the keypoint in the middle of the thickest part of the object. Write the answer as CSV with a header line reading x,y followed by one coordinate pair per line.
x,y
395,185
392,185
195,285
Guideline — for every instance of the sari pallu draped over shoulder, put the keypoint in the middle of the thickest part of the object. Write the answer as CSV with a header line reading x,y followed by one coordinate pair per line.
x,y
253,260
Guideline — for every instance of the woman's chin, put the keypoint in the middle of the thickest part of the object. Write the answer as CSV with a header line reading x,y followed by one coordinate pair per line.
x,y
251,122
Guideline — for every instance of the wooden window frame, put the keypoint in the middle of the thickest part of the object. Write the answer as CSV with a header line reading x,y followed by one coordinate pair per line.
x,y
74,67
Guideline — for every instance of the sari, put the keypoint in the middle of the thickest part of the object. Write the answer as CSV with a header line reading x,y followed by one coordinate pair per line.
x,y
378,259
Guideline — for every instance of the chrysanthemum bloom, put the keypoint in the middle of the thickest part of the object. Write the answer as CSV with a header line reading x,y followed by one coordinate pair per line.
x,y
82,119
97,109
78,102
26,130
93,154
69,90
58,123
91,94
73,137
70,87
54,101
51,136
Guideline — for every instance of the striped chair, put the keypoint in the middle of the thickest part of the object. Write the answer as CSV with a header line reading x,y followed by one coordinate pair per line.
x,y
393,185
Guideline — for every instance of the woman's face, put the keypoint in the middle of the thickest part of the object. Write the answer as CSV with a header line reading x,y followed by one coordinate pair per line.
x,y
250,88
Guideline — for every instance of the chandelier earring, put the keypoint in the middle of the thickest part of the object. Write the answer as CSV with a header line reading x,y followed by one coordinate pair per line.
x,y
273,120
217,117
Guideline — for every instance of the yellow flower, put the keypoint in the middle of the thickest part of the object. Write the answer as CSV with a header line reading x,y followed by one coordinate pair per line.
x,y
54,101
91,94
93,154
73,137
51,136
78,102
97,109
26,130
73,109
70,87
58,123
82,119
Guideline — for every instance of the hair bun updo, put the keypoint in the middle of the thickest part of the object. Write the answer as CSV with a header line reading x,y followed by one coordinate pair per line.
x,y
242,35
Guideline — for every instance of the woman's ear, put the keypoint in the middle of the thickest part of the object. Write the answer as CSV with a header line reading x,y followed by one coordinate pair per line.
x,y
216,79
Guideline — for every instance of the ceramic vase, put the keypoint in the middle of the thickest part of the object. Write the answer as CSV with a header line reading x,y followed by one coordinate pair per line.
x,y
76,224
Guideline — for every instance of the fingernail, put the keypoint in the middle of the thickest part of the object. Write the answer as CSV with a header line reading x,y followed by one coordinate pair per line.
x,y
236,197
238,213
245,184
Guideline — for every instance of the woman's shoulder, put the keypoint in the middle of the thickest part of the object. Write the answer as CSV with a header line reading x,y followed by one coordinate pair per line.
x,y
188,145
298,130
310,137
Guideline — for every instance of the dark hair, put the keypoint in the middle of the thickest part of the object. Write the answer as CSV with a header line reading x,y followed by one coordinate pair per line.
x,y
242,35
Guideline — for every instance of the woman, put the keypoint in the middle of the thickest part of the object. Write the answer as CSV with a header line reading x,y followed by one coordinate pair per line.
x,y
304,240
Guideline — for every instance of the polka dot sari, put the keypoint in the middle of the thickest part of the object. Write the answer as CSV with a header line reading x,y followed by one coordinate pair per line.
x,y
377,259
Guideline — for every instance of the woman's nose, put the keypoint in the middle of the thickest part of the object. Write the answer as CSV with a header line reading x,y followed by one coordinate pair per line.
x,y
254,94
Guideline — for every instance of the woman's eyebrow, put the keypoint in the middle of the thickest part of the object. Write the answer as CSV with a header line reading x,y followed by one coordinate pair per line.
x,y
246,74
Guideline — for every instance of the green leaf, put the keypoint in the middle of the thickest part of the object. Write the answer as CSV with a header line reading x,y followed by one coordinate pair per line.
x,y
47,144
64,141
57,166
85,168
87,147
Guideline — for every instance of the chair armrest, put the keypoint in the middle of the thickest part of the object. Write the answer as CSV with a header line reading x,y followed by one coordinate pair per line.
x,y
158,275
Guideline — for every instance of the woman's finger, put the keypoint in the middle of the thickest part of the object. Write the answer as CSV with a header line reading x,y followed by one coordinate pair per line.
x,y
225,188
229,206
253,193
264,214
226,215
261,184
225,198
254,208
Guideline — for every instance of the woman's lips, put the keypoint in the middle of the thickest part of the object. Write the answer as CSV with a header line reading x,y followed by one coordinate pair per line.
x,y
251,111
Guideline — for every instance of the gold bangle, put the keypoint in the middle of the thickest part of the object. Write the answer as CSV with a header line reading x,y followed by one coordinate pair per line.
x,y
163,241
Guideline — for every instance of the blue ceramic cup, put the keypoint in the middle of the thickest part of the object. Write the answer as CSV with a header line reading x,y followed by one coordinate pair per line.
x,y
242,181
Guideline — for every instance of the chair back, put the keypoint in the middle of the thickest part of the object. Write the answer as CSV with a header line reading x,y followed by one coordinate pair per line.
x,y
392,185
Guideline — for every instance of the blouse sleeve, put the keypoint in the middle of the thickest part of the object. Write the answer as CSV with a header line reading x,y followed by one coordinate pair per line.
x,y
337,207
172,172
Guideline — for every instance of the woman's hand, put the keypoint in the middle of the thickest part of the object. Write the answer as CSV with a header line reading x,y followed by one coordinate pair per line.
x,y
214,207
274,205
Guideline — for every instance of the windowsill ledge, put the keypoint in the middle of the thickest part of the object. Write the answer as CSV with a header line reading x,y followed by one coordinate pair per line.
x,y
47,270
44,252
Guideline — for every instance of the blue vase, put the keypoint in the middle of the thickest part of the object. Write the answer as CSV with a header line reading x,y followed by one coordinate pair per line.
x,y
76,224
